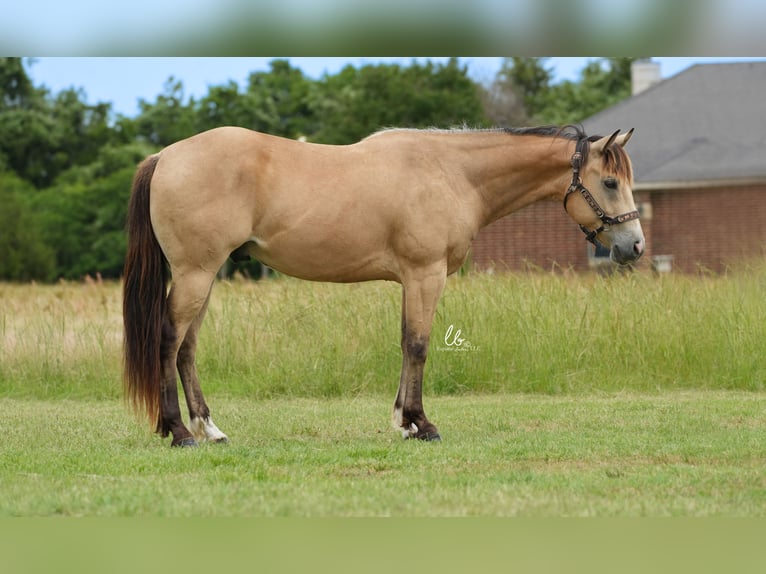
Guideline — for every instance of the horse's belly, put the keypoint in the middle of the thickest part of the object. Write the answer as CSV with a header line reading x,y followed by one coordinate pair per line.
x,y
325,260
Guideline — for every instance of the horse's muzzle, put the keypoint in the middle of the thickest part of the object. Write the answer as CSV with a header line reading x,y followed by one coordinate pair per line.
x,y
627,251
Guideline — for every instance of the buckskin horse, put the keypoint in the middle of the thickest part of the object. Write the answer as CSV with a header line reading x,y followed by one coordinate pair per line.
x,y
401,205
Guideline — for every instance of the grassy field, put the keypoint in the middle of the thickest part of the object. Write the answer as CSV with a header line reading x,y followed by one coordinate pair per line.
x,y
673,454
578,396
537,333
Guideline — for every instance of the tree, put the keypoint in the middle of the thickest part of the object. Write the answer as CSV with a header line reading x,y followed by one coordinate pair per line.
x,y
169,118
23,254
356,102
81,130
82,216
503,102
284,93
602,83
275,102
42,135
26,129
226,106
530,80
16,88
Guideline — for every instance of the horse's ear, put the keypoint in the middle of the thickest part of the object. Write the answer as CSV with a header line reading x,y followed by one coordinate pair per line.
x,y
623,139
602,144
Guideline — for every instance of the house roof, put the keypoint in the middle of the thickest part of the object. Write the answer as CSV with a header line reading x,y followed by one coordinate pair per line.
x,y
706,123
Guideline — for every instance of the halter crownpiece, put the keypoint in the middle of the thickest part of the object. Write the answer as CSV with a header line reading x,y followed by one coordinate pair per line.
x,y
577,185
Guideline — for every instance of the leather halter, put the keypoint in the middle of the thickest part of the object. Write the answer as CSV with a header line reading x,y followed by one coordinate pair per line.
x,y
577,185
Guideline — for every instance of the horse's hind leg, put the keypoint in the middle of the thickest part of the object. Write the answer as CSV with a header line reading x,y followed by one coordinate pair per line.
x,y
188,297
202,426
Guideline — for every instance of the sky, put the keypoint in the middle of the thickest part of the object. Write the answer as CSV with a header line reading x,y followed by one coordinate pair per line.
x,y
528,27
123,81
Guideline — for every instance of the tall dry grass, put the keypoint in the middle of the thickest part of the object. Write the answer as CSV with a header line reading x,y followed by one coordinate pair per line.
x,y
537,333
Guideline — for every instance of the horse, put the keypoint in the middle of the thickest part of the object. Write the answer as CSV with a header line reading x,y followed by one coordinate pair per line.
x,y
400,205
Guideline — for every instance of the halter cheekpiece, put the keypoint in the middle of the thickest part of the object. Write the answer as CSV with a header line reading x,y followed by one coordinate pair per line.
x,y
577,185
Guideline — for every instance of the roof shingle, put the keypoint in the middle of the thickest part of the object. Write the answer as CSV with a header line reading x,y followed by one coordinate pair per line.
x,y
706,123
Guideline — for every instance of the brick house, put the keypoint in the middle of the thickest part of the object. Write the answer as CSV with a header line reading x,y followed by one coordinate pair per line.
x,y
699,159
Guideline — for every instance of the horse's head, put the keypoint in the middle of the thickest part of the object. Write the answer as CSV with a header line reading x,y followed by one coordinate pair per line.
x,y
600,198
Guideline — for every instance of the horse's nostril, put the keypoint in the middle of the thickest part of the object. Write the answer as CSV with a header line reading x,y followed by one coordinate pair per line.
x,y
638,247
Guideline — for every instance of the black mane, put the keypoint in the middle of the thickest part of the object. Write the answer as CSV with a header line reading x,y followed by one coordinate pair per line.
x,y
615,158
570,132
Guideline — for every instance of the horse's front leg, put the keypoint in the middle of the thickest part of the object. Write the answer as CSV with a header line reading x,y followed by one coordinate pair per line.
x,y
421,294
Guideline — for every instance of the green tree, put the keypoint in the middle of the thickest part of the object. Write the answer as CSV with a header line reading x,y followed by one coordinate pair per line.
x,y
226,106
27,141
16,86
602,83
356,102
284,95
169,119
530,80
82,215
81,130
23,254
503,102
42,135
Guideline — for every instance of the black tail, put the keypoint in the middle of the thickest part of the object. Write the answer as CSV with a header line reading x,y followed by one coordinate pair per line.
x,y
144,302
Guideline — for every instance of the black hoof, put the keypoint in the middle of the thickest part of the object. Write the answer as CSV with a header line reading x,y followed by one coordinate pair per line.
x,y
188,442
428,437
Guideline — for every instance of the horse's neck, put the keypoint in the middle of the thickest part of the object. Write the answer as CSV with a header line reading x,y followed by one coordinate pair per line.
x,y
510,172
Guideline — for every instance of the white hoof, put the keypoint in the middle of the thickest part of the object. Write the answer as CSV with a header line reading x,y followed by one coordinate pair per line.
x,y
205,430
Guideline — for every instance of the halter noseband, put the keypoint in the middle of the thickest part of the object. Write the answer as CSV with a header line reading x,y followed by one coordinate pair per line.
x,y
577,185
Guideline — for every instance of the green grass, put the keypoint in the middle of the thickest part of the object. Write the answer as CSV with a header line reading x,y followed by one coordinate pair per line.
x,y
532,333
670,454
579,395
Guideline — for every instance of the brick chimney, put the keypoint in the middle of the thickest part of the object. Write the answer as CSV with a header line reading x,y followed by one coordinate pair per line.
x,y
644,74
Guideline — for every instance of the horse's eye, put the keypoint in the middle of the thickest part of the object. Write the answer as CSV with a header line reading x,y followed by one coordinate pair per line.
x,y
610,183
